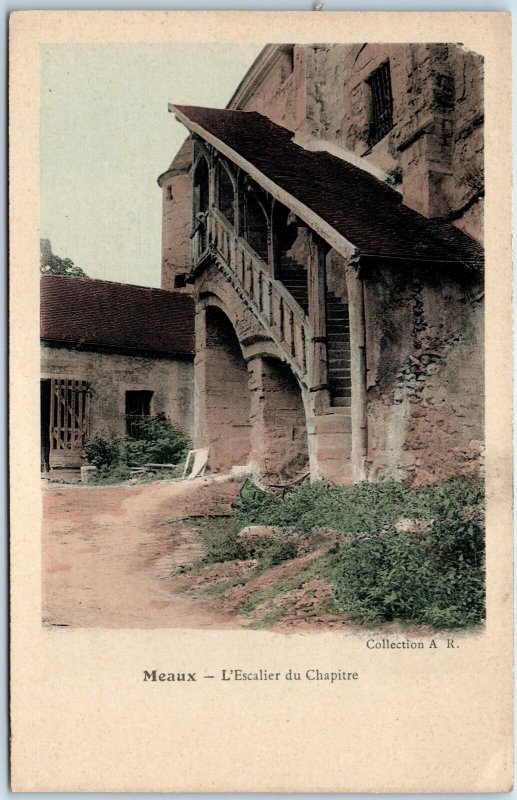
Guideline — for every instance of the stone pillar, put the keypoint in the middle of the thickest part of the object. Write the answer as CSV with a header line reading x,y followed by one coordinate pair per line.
x,y
357,370
200,432
317,309
279,428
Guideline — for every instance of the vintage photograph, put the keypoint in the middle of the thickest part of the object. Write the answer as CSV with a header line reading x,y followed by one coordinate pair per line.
x,y
262,337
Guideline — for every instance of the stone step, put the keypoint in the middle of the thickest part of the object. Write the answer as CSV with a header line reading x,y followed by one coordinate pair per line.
x,y
339,387
339,374
334,423
341,402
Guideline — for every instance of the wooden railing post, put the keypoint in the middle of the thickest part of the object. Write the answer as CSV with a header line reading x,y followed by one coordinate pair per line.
x,y
317,308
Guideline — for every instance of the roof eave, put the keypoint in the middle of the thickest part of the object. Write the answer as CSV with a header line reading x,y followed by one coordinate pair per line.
x,y
307,215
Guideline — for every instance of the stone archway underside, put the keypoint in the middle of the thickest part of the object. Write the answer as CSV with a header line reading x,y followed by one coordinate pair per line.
x,y
227,397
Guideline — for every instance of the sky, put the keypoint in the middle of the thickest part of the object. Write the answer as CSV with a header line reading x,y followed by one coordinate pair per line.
x,y
106,135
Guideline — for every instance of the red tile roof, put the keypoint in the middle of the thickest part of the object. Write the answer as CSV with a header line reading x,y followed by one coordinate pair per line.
x,y
363,209
117,316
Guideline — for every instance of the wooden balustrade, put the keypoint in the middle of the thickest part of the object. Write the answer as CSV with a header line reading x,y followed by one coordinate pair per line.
x,y
278,311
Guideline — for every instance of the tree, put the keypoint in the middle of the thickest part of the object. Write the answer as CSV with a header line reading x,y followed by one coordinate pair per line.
x,y
51,264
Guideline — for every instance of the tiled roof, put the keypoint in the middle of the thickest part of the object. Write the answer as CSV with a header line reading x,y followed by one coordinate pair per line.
x,y
102,314
363,209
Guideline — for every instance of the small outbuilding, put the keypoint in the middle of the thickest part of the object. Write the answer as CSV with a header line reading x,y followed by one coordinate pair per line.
x,y
112,354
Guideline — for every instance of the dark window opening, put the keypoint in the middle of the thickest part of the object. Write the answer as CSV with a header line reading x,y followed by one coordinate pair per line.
x,y
382,103
225,198
169,193
201,203
256,226
138,410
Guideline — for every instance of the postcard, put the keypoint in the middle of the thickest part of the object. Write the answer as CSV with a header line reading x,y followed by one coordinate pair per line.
x,y
260,402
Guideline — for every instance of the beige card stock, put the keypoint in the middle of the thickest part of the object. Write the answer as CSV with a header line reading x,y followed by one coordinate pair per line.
x,y
370,713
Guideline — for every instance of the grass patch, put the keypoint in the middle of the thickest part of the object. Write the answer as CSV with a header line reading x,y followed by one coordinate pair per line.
x,y
271,618
319,568
222,586
219,535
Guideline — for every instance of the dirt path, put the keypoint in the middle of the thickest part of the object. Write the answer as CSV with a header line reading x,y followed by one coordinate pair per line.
x,y
108,556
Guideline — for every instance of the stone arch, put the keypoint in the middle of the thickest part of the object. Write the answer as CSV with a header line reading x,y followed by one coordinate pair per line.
x,y
279,433
227,402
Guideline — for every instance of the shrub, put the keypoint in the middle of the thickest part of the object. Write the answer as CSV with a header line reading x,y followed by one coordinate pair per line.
x,y
102,453
219,536
363,507
160,442
270,552
436,579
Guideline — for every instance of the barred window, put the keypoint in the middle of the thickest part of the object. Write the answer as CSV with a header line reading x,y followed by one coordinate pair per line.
x,y
382,103
138,410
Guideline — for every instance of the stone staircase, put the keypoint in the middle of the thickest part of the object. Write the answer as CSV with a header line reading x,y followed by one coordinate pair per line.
x,y
294,278
280,304
338,352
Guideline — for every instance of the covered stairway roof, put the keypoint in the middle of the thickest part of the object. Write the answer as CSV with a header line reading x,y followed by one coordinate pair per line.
x,y
363,210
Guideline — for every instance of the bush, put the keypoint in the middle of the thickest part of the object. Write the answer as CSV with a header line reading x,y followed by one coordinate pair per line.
x,y
436,579
159,443
363,507
102,453
270,552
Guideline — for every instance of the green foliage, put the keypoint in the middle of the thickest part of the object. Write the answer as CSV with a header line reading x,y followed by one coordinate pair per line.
x,y
102,453
160,443
51,264
437,578
363,507
265,594
219,535
117,473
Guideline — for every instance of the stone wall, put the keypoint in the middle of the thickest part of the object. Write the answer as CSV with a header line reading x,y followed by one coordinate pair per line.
x,y
111,375
424,375
280,94
176,186
434,153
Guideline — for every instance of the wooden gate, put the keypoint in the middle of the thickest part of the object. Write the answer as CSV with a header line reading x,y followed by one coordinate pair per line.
x,y
69,416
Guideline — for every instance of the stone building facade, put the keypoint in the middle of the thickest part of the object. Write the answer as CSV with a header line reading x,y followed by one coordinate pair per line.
x,y
111,354
329,224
